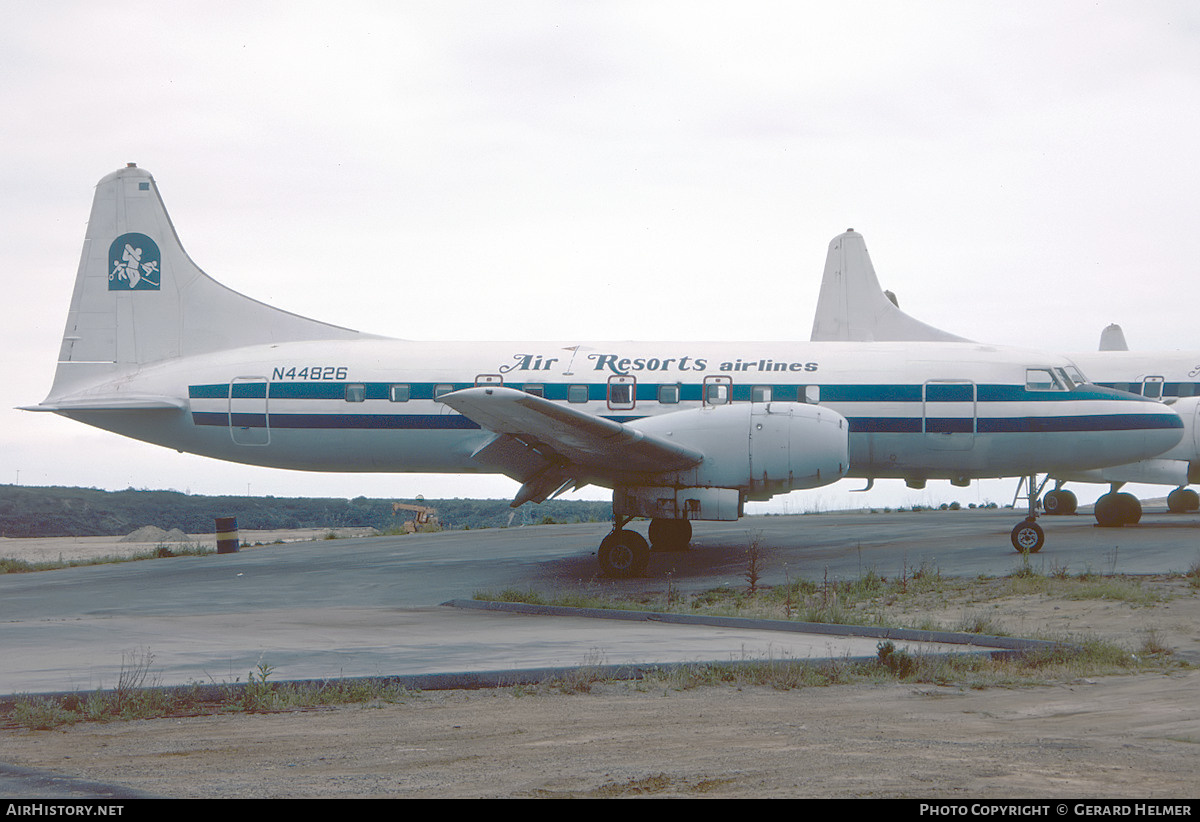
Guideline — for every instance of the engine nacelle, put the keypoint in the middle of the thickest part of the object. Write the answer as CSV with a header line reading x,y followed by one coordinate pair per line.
x,y
751,451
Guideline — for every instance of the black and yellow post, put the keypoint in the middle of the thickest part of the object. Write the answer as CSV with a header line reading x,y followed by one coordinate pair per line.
x,y
228,541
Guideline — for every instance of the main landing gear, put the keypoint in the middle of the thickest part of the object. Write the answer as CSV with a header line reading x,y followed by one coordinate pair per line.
x,y
624,553
1116,509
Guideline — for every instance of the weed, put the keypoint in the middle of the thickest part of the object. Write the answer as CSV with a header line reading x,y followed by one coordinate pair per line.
x,y
41,714
755,559
900,663
1154,645
1193,574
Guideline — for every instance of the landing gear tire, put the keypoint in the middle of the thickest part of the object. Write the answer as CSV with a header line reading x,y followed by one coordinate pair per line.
x,y
670,534
1060,503
1116,509
1183,500
1028,537
623,554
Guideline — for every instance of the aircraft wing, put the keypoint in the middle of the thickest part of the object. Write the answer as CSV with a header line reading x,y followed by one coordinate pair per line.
x,y
549,446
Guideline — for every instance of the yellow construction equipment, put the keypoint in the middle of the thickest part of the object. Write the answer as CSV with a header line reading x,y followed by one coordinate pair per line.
x,y
425,519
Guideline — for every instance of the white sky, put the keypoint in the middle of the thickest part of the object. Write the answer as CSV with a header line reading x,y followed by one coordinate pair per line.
x,y
1023,173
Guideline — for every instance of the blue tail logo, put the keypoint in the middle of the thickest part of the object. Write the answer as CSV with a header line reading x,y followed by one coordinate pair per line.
x,y
136,264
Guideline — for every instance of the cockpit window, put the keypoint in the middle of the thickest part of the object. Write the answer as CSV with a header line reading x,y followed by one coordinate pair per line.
x,y
1042,379
1066,378
1076,375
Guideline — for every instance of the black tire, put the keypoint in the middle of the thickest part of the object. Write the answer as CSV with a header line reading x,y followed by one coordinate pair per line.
x,y
1028,537
623,554
670,534
1183,500
1108,512
1060,503
1131,509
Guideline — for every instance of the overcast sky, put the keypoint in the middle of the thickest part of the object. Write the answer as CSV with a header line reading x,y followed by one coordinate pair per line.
x,y
1022,172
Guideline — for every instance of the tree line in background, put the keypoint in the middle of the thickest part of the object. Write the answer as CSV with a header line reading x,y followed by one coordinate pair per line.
x,y
30,511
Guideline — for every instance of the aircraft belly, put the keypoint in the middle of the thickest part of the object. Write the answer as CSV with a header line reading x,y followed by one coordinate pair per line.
x,y
905,455
355,450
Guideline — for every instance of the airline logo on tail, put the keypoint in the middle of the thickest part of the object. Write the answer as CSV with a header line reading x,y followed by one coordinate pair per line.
x,y
136,263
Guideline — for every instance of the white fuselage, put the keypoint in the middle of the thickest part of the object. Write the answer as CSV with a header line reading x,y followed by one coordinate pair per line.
x,y
916,410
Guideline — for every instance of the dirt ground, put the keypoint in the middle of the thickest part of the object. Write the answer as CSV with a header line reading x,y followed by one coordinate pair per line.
x,y
1128,736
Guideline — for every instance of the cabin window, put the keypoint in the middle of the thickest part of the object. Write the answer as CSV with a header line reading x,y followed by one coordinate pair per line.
x,y
812,394
537,389
356,392
760,393
577,393
1185,389
441,389
400,393
1042,379
716,393
668,394
1152,387
621,393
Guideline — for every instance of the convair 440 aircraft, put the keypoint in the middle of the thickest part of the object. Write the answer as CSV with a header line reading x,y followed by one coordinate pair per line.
x,y
156,350
853,307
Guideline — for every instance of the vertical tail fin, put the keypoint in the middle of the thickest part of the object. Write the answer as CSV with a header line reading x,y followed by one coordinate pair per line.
x,y
140,299
1112,338
852,306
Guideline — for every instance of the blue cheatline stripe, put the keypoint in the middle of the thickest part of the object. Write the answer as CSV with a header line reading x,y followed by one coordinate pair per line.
x,y
648,392
858,425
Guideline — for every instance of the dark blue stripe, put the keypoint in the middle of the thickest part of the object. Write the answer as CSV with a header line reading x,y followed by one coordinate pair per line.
x,y
248,420
858,425
424,422
1092,422
884,425
950,425
210,418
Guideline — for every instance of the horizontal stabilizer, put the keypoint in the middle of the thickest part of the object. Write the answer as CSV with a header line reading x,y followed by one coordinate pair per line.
x,y
111,404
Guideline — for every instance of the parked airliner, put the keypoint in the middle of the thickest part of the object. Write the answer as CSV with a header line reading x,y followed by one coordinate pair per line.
x,y
156,350
853,307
